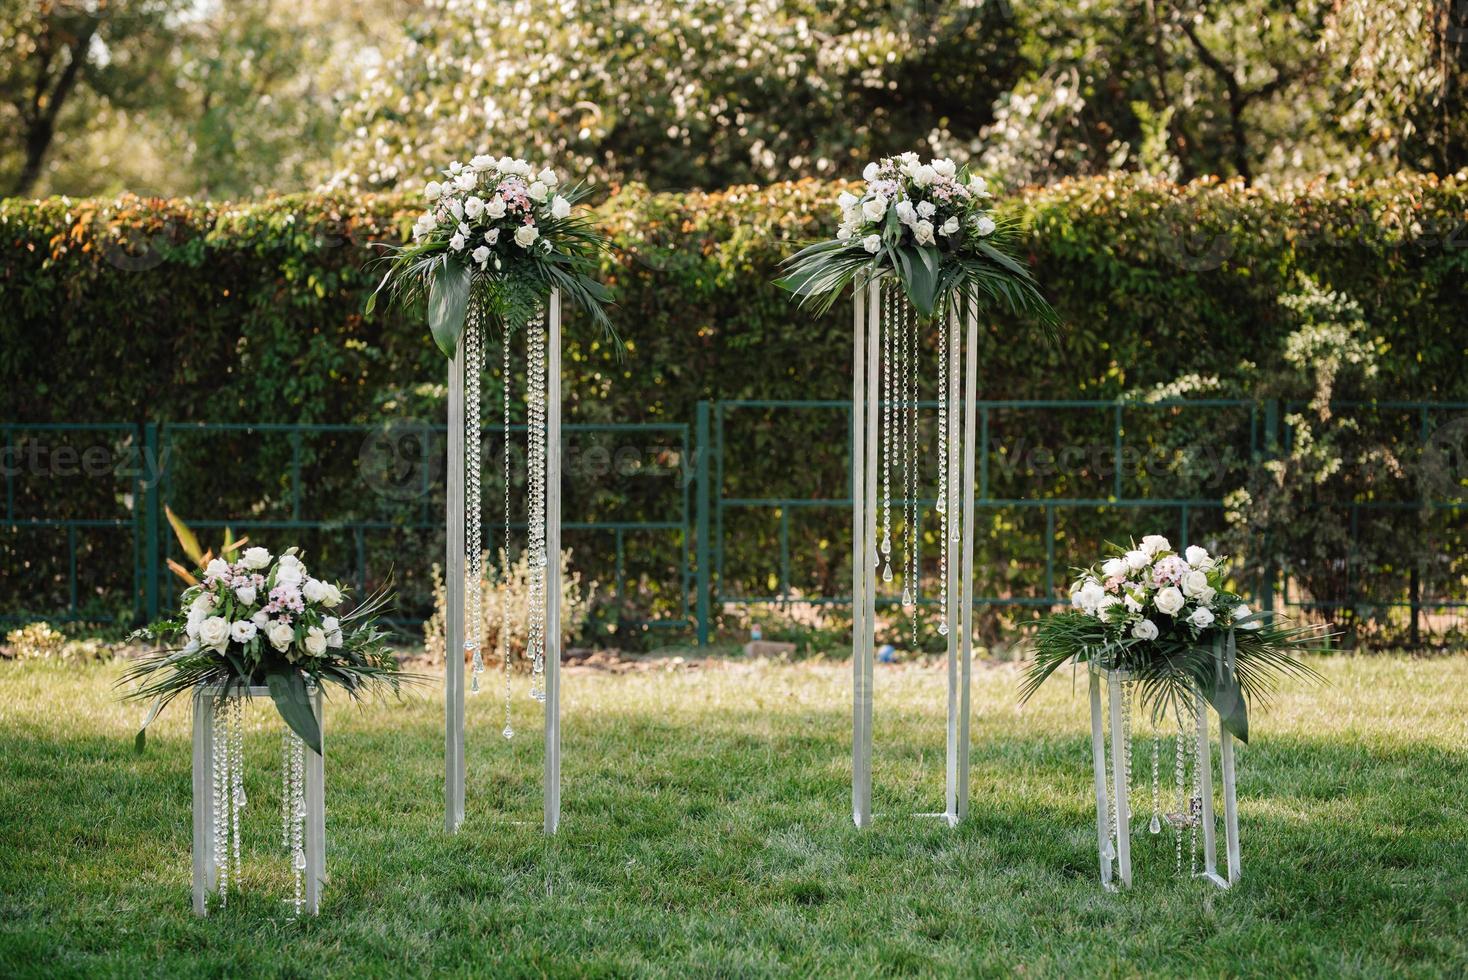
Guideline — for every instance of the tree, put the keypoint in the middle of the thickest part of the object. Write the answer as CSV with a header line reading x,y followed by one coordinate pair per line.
x,y
678,93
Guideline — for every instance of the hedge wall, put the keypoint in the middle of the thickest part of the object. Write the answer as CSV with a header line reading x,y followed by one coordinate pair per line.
x,y
179,311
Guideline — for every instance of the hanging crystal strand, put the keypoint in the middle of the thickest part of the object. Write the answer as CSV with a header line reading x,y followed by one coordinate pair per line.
x,y
473,497
1109,853
1127,688
1182,804
285,789
298,817
536,342
899,425
943,469
1156,825
888,318
911,575
1195,803
504,637
219,816
236,779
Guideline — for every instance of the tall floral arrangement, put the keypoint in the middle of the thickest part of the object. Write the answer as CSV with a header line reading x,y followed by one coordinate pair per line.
x,y
500,232
930,224
1169,620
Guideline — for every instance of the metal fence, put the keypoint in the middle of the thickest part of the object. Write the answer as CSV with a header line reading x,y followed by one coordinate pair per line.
x,y
1054,478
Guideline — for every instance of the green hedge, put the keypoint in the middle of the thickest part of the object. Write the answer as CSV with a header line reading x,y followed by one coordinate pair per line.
x,y
149,310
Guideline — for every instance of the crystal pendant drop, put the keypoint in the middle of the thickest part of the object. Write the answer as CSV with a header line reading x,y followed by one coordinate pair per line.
x,y
299,860
887,572
1156,825
509,731
942,506
943,627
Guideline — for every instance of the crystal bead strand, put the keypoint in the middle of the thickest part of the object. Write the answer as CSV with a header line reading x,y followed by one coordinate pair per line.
x,y
298,817
1109,854
902,463
888,316
1195,803
910,584
285,789
1127,688
236,779
473,497
1182,806
1156,825
536,341
943,470
219,817
504,637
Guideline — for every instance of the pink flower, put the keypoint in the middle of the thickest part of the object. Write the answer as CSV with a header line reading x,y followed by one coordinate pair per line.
x,y
1169,571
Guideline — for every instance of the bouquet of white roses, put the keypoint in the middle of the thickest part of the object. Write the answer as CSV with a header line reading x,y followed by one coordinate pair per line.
x,y
929,224
1171,621
503,229
264,620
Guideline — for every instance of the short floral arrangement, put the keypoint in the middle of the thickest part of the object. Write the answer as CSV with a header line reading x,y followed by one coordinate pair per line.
x,y
930,225
500,231
1170,621
260,620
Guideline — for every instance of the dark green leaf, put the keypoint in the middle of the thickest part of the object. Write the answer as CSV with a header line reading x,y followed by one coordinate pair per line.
x,y
448,304
288,691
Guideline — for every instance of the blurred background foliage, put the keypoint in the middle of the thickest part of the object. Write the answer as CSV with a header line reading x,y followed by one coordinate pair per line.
x,y
178,311
234,98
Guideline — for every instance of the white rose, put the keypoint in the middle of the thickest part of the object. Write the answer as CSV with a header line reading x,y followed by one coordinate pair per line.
x,y
1206,596
315,641
495,207
482,162
538,191
985,225
845,232
922,233
280,636
218,568
473,208
456,208
1198,557
457,242
433,191
1145,630
492,236
214,632
1170,600
1114,567
1195,583
1132,604
260,620
242,631
1153,543
925,209
333,596
255,558
874,207
979,187
906,213
560,207
507,165
846,201
191,628
289,575
924,175
869,172
466,180
548,177
1201,618
945,168
1244,612
202,605
314,590
480,254
872,243
1091,596
1137,560
455,166
333,629
526,235
245,594
950,227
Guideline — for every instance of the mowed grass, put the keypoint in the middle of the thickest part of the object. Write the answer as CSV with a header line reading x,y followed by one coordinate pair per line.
x,y
707,832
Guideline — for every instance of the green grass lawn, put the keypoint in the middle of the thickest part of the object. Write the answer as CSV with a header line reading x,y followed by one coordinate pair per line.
x,y
707,831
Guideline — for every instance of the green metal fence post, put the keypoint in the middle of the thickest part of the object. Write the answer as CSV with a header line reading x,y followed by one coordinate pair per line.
x,y
703,445
151,468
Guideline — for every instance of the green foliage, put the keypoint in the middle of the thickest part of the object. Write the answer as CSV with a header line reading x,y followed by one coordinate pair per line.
x,y
182,311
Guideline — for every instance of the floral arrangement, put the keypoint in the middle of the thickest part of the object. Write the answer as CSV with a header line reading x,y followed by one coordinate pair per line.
x,y
499,231
264,620
1170,620
930,225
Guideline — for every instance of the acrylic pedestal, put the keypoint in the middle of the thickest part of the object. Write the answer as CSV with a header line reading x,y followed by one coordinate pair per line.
x,y
206,875
1121,791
